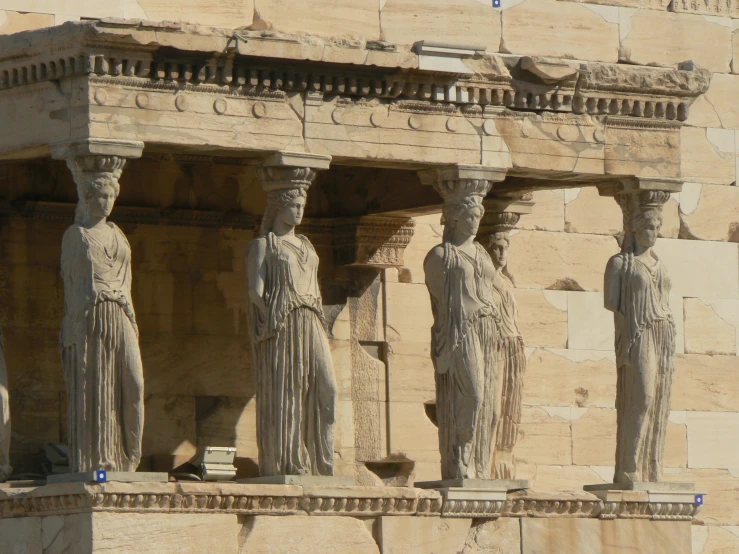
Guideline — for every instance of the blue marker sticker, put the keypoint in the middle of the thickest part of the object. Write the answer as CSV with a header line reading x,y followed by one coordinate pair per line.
x,y
699,499
101,476
496,3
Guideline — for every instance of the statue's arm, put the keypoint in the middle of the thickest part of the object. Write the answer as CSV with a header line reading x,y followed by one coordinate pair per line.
x,y
256,271
612,284
433,268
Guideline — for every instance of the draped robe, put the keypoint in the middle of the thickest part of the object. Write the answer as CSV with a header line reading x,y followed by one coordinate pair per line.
x,y
5,468
296,387
100,353
463,343
645,350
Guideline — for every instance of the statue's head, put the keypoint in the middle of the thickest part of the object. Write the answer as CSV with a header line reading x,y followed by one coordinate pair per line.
x,y
97,194
285,206
497,247
462,216
647,224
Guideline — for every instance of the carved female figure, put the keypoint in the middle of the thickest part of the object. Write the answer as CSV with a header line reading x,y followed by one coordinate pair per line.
x,y
459,276
5,469
510,360
296,387
637,291
100,344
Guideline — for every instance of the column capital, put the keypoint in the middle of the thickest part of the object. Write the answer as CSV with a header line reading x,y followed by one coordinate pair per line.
x,y
635,185
126,149
458,181
290,170
315,162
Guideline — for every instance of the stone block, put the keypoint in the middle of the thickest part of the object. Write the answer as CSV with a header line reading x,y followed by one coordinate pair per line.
x,y
713,440
422,535
413,434
701,268
543,438
707,156
716,108
227,421
15,22
411,372
594,536
712,539
663,38
548,213
129,533
711,327
594,437
559,261
586,211
559,478
642,152
197,365
408,312
425,237
709,212
355,20
577,378
559,29
721,487
705,383
229,13
408,21
32,295
542,317
496,536
589,324
307,535
170,426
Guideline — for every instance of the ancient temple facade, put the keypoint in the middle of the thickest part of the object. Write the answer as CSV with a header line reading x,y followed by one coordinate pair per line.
x,y
564,119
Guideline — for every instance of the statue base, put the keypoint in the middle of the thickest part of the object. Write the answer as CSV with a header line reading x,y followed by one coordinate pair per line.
x,y
642,486
506,485
118,476
302,480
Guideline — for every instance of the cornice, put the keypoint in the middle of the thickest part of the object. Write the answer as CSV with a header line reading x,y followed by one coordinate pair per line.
x,y
179,56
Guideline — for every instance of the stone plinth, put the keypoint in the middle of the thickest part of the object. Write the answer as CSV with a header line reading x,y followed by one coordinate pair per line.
x,y
119,476
233,518
309,480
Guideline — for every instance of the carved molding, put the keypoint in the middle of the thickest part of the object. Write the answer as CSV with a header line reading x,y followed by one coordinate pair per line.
x,y
374,241
102,51
233,499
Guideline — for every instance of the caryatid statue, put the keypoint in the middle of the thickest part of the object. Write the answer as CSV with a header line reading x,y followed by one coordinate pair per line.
x,y
637,290
99,338
5,469
510,356
459,276
295,382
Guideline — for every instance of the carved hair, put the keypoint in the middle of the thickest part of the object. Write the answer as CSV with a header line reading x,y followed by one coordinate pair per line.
x,y
497,236
276,202
89,182
453,211
642,217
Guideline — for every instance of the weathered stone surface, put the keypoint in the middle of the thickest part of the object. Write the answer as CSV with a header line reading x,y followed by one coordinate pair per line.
x,y
415,436
642,152
548,212
411,372
721,486
170,426
578,378
709,212
230,13
589,324
498,536
408,21
425,535
713,440
227,421
15,22
586,211
716,108
541,259
604,537
706,331
709,539
707,155
560,478
542,317
713,271
558,29
667,39
705,383
425,237
544,438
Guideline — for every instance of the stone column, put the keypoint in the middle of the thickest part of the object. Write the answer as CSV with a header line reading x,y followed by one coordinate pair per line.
x,y
295,382
637,290
5,469
459,276
501,216
100,344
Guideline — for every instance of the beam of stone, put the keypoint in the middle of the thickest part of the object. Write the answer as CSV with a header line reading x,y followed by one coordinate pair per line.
x,y
637,290
296,385
100,339
5,469
459,276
